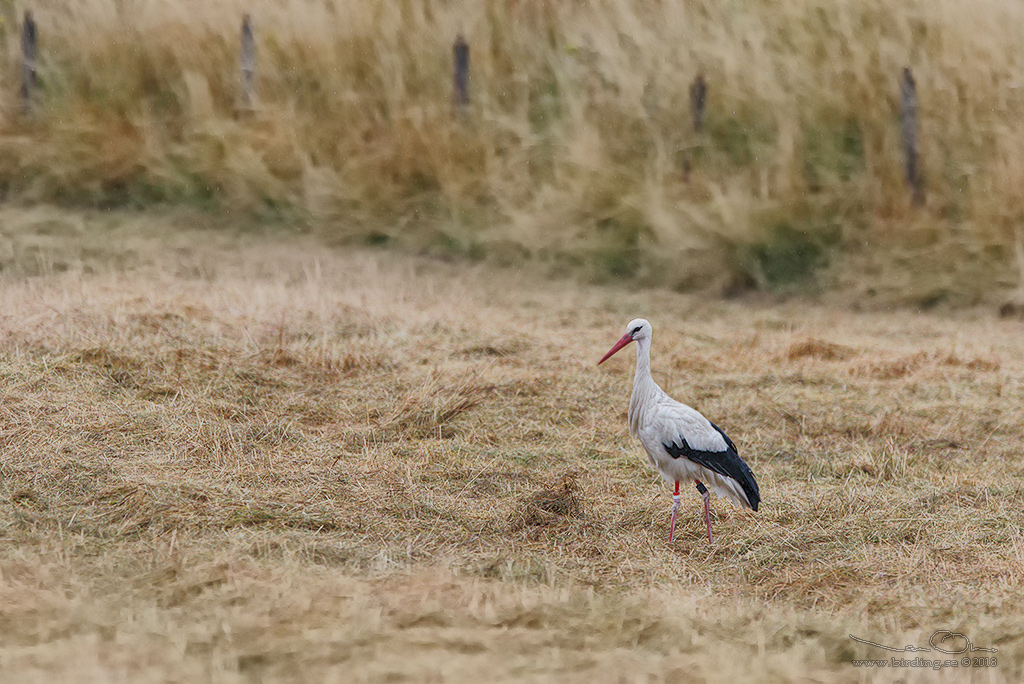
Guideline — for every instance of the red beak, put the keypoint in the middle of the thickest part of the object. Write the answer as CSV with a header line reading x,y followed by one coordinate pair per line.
x,y
626,339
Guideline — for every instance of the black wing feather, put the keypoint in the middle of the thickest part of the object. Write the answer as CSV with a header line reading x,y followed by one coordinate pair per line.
x,y
727,463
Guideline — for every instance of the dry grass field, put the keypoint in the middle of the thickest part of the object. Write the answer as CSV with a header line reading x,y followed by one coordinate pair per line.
x,y
241,456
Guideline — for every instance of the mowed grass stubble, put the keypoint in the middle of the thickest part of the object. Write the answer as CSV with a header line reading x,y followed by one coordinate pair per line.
x,y
230,457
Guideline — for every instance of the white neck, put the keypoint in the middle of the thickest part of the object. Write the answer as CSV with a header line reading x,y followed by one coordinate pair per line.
x,y
644,387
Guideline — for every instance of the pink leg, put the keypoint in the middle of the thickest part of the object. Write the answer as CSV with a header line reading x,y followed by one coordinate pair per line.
x,y
707,513
675,509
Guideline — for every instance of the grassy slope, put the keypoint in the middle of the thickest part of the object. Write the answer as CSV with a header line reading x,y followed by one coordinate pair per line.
x,y
228,457
577,138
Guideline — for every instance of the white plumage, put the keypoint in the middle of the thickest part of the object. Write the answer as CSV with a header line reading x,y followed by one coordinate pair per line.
x,y
682,444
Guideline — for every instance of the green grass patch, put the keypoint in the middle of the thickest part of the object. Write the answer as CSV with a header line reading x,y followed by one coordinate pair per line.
x,y
788,257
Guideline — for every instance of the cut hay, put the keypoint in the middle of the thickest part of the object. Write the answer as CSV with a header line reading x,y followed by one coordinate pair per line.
x,y
265,459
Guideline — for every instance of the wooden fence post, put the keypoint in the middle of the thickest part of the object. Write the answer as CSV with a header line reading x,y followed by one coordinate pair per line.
x,y
908,120
460,53
28,63
248,62
698,100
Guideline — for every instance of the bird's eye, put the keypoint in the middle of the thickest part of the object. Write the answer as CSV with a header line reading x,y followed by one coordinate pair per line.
x,y
636,329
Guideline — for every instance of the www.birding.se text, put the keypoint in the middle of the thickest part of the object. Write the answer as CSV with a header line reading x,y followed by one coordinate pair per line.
x,y
935,664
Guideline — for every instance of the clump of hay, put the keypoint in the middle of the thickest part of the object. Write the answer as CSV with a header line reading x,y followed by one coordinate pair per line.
x,y
551,506
819,349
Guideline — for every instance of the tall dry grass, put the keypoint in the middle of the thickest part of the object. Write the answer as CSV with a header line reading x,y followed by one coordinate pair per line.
x,y
578,130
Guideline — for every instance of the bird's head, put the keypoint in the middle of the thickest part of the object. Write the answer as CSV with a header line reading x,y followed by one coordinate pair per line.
x,y
636,329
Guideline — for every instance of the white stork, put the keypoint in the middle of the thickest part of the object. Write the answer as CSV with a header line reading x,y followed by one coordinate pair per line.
x,y
681,444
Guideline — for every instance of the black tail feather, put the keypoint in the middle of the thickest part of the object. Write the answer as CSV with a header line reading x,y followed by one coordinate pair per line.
x,y
727,463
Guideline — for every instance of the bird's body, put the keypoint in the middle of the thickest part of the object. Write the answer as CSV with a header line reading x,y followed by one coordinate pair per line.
x,y
682,444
